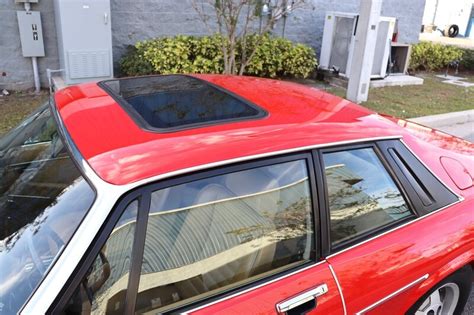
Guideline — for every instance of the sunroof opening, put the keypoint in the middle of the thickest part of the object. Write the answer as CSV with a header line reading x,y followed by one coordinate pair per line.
x,y
172,102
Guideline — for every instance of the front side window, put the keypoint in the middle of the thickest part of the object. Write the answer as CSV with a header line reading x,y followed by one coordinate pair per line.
x,y
103,289
43,198
213,234
361,194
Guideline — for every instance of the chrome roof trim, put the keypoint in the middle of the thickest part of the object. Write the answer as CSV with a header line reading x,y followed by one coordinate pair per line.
x,y
392,295
106,197
339,288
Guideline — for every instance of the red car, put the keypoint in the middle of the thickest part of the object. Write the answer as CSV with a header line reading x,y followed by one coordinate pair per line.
x,y
211,194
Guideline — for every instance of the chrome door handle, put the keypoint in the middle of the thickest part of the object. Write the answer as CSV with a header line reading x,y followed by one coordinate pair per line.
x,y
301,298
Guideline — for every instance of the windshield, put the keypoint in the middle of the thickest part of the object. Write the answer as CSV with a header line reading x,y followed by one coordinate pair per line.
x,y
43,198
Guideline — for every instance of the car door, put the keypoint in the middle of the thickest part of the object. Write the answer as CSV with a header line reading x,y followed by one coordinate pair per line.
x,y
384,257
234,240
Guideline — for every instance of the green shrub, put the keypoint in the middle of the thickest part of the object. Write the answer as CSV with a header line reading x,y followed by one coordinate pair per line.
x,y
467,62
187,54
267,60
169,55
300,61
134,62
278,57
207,54
431,56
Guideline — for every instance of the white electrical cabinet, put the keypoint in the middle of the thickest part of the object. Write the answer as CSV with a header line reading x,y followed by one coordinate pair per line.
x,y
338,43
84,39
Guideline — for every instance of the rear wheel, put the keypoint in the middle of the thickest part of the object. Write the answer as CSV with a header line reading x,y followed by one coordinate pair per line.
x,y
446,298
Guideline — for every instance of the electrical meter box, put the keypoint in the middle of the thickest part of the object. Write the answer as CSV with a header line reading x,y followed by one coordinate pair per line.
x,y
31,33
84,39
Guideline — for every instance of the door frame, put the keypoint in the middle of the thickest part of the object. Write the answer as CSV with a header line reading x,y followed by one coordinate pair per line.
x,y
143,195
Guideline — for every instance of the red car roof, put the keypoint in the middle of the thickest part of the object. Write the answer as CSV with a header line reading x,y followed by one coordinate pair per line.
x,y
121,152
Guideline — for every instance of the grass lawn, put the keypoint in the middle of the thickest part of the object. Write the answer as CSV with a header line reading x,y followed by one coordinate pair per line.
x,y
16,106
431,98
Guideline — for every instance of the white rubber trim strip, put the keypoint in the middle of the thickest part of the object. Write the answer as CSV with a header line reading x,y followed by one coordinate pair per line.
x,y
107,196
343,300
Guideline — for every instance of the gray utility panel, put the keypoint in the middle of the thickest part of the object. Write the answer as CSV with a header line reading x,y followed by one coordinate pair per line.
x,y
84,39
31,33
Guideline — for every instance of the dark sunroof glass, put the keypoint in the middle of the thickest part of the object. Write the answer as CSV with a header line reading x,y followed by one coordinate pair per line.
x,y
170,102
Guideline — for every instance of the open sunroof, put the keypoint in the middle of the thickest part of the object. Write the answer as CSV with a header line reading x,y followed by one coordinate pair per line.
x,y
168,103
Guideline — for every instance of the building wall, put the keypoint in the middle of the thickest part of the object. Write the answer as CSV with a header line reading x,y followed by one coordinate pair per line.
x,y
134,20
448,12
16,71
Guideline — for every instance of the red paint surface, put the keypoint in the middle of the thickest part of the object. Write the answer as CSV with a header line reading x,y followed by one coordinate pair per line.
x,y
263,301
457,172
120,152
432,246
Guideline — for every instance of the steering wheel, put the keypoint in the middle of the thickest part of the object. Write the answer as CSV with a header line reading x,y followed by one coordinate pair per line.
x,y
45,232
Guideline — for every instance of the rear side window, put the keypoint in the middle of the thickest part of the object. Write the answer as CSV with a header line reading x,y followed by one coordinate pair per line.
x,y
362,197
213,234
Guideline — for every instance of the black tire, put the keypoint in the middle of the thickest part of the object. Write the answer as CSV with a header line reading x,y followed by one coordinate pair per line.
x,y
463,278
453,30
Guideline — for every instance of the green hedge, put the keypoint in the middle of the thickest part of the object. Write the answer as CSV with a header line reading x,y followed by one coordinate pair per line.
x,y
431,56
274,57
467,62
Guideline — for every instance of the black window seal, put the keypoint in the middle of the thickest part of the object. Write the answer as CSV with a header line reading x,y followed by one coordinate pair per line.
x,y
138,248
325,243
418,181
333,249
144,125
418,186
143,195
75,157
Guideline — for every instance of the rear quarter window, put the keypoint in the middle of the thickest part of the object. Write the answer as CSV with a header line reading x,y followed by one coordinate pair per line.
x,y
424,188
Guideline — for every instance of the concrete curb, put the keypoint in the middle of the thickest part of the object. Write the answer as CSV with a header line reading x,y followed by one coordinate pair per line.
x,y
448,119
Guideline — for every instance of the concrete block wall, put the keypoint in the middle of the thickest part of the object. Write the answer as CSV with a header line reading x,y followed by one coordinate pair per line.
x,y
16,71
134,20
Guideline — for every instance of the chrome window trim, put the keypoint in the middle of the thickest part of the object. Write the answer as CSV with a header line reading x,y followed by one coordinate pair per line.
x,y
255,157
392,295
108,194
392,230
460,198
106,197
254,287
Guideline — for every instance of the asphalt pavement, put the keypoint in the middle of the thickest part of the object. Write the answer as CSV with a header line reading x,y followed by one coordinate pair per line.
x,y
459,124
